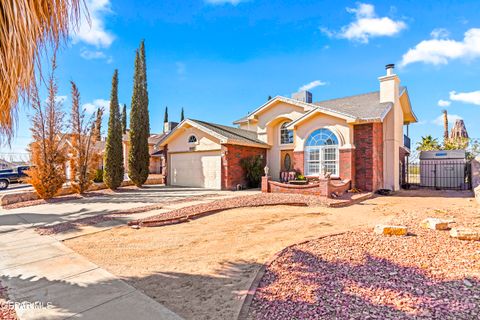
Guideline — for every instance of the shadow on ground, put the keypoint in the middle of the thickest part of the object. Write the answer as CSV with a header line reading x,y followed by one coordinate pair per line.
x,y
379,289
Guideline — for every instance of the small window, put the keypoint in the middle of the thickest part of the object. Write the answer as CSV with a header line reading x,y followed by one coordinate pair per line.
x,y
192,139
286,136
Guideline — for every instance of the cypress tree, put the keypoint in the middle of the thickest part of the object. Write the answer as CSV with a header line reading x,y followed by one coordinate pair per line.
x,y
139,155
165,116
124,119
182,116
113,159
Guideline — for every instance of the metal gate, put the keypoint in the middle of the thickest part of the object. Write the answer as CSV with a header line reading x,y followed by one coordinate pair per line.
x,y
449,175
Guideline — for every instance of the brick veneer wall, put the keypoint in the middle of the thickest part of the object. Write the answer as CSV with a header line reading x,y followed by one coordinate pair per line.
x,y
347,164
368,140
323,188
232,172
298,161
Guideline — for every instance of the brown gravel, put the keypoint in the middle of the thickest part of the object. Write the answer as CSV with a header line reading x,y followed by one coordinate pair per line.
x,y
6,312
359,275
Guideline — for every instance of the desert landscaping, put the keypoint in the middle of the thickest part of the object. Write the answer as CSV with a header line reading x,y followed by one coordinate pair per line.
x,y
203,269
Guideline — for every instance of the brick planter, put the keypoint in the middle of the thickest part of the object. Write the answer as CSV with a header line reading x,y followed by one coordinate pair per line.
x,y
324,188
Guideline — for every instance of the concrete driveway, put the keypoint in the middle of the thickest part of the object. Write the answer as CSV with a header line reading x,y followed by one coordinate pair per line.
x,y
58,283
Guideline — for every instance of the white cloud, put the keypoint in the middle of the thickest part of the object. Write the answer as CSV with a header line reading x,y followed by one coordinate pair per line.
x,y
466,97
222,2
444,103
94,32
91,107
59,99
440,33
88,54
367,25
312,85
451,119
440,51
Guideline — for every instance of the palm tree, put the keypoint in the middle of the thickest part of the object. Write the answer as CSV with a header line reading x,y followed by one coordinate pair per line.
x,y
428,143
26,29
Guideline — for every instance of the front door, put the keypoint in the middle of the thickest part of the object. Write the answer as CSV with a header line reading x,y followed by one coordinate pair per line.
x,y
286,160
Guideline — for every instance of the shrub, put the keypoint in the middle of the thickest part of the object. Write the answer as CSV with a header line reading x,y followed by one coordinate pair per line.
x,y
98,176
253,167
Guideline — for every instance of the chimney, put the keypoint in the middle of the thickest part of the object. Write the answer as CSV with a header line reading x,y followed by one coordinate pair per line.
x,y
169,126
304,96
389,85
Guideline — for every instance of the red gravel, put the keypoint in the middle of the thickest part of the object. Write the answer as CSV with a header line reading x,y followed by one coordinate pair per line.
x,y
359,275
6,311
263,199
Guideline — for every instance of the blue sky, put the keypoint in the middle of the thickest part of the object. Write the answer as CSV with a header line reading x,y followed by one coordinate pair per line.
x,y
220,59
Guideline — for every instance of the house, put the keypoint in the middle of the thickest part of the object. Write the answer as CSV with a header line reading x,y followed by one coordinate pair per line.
x,y
358,138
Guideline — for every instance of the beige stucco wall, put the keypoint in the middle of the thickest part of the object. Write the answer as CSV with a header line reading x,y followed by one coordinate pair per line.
x,y
392,132
339,127
204,141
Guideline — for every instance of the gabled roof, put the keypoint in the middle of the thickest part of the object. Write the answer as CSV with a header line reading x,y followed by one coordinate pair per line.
x,y
362,106
356,108
154,138
225,134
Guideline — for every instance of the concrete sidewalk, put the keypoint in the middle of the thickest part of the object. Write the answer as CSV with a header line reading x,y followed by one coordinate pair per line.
x,y
54,282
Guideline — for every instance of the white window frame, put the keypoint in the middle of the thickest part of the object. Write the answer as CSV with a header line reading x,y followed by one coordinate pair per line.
x,y
283,126
321,161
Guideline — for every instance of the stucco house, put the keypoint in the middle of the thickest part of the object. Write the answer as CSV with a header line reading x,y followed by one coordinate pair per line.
x,y
360,138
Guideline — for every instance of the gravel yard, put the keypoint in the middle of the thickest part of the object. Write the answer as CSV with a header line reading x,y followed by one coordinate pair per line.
x,y
359,275
202,269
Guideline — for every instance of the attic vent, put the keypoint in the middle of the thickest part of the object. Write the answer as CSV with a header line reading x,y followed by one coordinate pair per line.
x,y
304,96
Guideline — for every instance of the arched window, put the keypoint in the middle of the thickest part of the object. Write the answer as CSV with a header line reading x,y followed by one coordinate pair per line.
x,y
321,153
192,139
286,136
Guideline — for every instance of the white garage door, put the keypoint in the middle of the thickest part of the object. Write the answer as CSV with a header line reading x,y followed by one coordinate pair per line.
x,y
196,169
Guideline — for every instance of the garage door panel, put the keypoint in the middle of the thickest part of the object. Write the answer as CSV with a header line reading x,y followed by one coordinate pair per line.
x,y
196,169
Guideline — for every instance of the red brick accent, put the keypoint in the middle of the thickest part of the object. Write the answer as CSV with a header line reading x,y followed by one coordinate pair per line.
x,y
265,184
347,164
368,140
232,172
323,188
298,161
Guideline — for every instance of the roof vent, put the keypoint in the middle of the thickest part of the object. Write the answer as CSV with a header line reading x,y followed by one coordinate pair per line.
x,y
304,96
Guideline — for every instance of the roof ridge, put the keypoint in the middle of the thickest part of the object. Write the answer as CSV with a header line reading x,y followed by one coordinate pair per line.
x,y
230,131
346,97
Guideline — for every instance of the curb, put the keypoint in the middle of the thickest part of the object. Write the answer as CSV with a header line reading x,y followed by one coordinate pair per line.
x,y
247,300
176,220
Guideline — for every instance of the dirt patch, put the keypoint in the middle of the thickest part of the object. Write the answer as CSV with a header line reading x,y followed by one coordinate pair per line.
x,y
203,268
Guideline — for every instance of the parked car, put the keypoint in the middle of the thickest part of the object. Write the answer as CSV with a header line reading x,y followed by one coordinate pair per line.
x,y
15,175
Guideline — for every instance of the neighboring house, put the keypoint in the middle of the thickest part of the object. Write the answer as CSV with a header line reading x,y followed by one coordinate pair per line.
x,y
359,137
4,164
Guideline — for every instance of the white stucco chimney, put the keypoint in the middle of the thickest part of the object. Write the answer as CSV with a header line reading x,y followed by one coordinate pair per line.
x,y
389,85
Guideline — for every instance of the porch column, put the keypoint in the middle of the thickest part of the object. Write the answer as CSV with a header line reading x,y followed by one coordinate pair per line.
x,y
347,164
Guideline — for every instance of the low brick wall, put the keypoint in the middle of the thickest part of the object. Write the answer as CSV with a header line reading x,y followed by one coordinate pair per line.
x,y
32,195
476,178
324,188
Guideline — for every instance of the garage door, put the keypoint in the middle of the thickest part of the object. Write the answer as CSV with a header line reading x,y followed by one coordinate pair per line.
x,y
196,169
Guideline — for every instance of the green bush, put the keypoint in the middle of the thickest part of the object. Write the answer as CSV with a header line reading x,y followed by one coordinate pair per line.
x,y
98,176
301,177
253,167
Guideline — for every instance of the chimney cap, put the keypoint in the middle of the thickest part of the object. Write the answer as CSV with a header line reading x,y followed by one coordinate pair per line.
x,y
390,66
